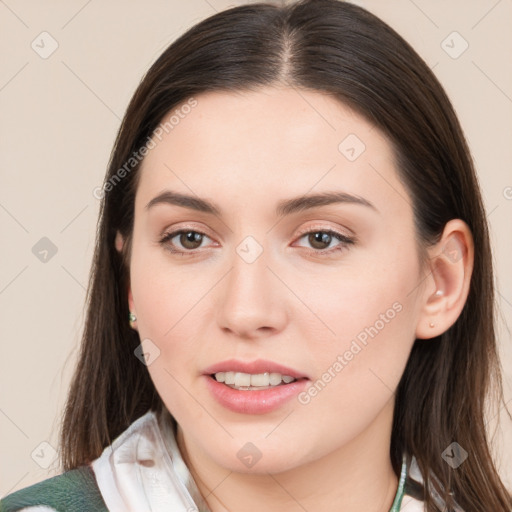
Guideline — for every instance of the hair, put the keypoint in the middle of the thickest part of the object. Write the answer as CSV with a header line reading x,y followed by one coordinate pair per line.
x,y
342,50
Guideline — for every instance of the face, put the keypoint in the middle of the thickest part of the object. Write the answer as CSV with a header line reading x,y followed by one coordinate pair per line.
x,y
293,254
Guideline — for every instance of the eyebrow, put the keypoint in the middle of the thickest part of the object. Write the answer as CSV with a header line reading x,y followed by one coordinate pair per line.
x,y
285,207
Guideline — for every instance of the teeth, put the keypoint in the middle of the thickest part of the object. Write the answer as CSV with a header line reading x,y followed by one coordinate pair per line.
x,y
242,379
247,380
275,379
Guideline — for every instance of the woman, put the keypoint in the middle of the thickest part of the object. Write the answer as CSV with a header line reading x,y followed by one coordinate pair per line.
x,y
291,302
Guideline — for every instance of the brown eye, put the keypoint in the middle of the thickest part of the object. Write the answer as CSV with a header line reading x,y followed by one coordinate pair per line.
x,y
190,239
320,239
183,241
325,241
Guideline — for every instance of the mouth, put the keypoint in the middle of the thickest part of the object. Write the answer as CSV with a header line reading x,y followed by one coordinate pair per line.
x,y
252,382
256,387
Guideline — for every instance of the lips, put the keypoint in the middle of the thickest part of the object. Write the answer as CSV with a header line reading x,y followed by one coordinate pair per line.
x,y
249,399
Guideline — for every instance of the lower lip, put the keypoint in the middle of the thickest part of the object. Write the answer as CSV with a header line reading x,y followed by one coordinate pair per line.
x,y
253,402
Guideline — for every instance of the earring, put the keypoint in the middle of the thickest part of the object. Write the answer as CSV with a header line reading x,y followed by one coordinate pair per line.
x,y
132,317
431,324
439,293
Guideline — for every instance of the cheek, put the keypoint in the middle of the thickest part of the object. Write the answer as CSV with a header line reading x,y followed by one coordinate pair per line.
x,y
169,319
358,370
368,333
364,301
170,302
165,293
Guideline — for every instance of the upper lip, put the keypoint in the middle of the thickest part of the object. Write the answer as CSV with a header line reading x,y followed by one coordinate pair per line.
x,y
253,367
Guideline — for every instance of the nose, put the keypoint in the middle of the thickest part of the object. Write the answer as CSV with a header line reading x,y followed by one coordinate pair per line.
x,y
251,303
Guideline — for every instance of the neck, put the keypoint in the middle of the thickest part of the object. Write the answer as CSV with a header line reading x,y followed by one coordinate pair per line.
x,y
354,477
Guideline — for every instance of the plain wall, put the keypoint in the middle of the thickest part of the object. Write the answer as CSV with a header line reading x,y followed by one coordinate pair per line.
x,y
59,117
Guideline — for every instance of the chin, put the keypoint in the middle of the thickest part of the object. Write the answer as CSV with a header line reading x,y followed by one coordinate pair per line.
x,y
262,467
259,457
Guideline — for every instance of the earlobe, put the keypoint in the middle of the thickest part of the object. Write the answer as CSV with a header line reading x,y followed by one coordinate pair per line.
x,y
447,286
132,317
119,241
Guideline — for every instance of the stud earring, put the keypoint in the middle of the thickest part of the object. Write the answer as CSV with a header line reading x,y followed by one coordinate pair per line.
x,y
431,324
132,317
439,293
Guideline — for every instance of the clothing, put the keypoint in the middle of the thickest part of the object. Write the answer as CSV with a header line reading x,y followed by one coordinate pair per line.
x,y
143,471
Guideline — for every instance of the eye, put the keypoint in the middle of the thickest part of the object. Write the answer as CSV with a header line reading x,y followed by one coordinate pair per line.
x,y
325,241
184,240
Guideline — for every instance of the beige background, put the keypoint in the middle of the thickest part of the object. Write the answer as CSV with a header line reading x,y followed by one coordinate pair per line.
x,y
59,116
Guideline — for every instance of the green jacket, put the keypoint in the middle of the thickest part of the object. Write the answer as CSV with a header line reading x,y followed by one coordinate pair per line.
x,y
73,491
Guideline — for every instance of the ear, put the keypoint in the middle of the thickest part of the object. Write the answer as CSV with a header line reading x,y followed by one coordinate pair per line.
x,y
119,243
447,286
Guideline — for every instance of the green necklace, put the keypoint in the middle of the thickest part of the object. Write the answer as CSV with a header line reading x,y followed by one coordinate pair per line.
x,y
397,503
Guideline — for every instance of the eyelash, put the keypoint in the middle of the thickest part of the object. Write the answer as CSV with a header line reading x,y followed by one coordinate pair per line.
x,y
344,240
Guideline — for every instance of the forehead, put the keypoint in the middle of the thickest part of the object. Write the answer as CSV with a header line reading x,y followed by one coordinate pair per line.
x,y
282,141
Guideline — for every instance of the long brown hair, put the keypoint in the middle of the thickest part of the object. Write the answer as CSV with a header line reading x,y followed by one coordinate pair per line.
x,y
343,50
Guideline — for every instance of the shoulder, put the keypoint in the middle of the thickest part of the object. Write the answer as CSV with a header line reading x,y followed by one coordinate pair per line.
x,y
74,490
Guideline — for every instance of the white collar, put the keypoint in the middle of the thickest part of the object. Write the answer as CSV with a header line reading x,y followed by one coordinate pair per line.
x,y
143,471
